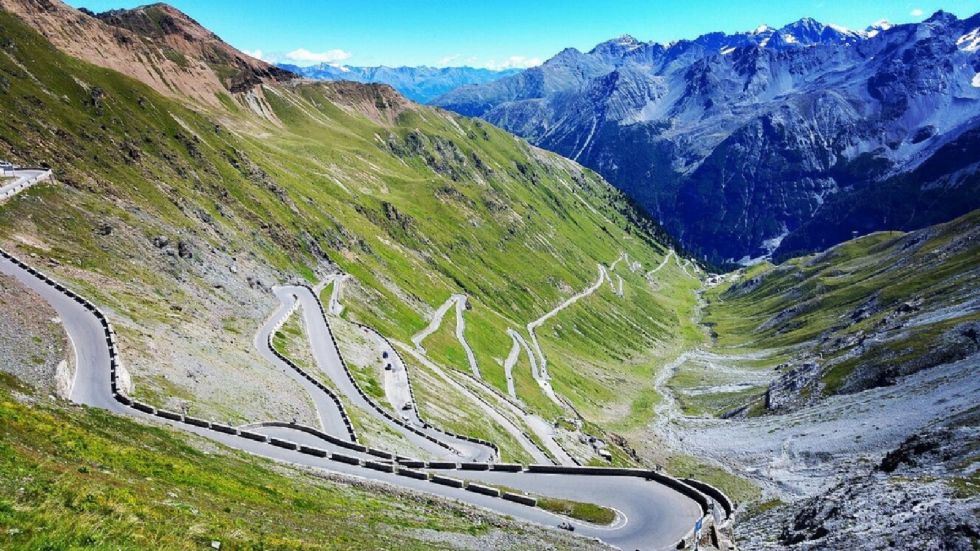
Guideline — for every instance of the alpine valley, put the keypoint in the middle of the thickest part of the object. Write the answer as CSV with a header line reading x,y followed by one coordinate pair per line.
x,y
241,308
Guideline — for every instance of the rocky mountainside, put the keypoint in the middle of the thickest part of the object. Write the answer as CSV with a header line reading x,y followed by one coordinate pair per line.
x,y
420,84
156,44
772,141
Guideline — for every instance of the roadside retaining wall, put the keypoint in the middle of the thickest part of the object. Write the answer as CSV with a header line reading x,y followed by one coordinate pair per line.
x,y
25,183
313,380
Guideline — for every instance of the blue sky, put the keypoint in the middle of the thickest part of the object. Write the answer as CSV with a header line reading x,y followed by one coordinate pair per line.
x,y
500,33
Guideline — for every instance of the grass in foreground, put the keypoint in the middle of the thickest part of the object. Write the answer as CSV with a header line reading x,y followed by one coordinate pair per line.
x,y
588,512
77,477
578,510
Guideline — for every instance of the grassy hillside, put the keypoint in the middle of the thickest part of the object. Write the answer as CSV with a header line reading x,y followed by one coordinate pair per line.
x,y
863,313
82,478
177,220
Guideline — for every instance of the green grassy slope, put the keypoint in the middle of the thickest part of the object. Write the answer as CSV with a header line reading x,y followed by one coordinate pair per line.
x,y
176,219
82,478
866,311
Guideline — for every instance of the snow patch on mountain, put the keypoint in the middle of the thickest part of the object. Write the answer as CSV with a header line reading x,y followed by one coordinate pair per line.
x,y
768,247
969,42
765,127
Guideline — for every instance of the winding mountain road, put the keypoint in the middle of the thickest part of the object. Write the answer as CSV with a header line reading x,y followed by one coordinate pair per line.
x,y
542,376
541,428
328,360
460,302
652,513
662,264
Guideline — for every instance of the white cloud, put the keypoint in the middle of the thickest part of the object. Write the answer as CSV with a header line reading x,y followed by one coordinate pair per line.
x,y
302,55
257,54
917,12
513,62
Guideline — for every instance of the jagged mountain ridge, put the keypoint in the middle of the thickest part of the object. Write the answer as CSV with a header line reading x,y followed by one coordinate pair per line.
x,y
736,142
421,84
156,44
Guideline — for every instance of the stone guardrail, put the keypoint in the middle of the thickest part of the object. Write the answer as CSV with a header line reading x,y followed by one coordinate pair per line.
x,y
686,489
518,498
331,439
717,495
481,489
26,183
313,380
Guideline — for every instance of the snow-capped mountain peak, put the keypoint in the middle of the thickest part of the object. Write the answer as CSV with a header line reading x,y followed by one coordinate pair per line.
x,y
668,123
878,26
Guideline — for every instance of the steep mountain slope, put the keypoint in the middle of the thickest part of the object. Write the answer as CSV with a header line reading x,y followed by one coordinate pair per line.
x,y
155,44
421,84
766,131
177,220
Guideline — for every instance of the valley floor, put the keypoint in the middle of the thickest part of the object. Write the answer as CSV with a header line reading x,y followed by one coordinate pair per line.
x,y
891,461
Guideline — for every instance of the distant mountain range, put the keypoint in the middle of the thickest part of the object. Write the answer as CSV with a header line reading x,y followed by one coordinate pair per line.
x,y
420,84
774,141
